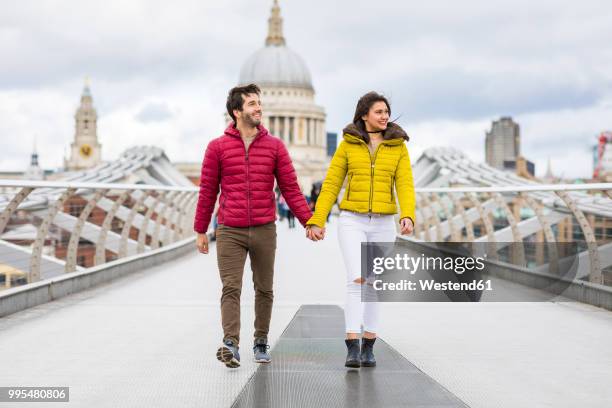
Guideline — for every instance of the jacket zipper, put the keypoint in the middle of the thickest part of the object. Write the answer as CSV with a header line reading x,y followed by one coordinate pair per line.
x,y
248,178
392,180
372,161
348,193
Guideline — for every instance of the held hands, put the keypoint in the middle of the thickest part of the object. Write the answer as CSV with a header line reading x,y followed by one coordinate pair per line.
x,y
406,226
315,233
202,243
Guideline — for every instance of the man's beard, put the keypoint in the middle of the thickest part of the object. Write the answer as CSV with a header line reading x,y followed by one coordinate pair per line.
x,y
251,121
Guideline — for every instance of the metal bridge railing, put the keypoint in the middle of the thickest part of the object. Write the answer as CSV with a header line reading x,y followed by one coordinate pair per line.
x,y
519,214
50,228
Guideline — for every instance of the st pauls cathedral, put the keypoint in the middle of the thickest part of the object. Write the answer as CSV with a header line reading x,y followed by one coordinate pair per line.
x,y
289,108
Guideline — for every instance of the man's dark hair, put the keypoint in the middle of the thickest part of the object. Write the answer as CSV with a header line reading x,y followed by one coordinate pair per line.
x,y
235,100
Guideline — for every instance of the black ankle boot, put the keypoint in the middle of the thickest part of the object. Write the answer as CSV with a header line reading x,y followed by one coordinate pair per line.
x,y
367,353
352,355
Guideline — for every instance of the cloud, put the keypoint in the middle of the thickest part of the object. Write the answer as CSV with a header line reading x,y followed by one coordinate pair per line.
x,y
154,112
109,40
160,72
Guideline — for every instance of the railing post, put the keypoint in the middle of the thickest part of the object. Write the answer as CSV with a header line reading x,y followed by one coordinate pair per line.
x,y
43,229
73,245
426,225
190,216
553,255
518,251
596,275
172,235
125,232
145,223
454,232
106,226
469,228
484,216
12,206
187,221
167,202
436,218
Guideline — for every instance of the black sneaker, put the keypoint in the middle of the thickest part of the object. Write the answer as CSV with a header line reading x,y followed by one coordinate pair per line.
x,y
228,354
260,350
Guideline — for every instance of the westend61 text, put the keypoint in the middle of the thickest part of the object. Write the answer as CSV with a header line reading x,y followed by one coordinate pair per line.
x,y
432,285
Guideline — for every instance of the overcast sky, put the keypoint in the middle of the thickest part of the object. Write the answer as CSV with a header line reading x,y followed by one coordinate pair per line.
x,y
160,71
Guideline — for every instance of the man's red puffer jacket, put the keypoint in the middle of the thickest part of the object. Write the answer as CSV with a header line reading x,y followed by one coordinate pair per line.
x,y
247,181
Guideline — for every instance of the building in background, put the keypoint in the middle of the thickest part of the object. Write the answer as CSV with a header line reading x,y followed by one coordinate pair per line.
x,y
602,157
502,143
85,151
332,141
34,172
503,148
549,177
191,170
521,167
290,111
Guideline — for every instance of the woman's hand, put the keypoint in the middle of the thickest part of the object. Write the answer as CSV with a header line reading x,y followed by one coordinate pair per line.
x,y
407,226
315,233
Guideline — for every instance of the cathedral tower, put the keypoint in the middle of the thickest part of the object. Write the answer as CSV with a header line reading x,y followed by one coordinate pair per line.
x,y
85,151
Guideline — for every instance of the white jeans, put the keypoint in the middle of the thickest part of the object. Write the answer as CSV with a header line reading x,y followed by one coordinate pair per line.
x,y
353,229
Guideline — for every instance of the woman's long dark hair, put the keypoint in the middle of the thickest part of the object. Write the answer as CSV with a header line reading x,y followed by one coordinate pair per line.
x,y
363,107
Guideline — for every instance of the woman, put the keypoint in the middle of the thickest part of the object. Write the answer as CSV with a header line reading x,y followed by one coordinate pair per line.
x,y
374,157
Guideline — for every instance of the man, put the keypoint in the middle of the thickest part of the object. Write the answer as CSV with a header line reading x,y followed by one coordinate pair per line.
x,y
244,162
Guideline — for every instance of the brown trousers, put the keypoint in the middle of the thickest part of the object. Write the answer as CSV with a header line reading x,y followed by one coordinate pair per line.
x,y
233,244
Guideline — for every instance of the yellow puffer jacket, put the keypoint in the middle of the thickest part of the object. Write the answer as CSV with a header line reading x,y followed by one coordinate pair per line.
x,y
371,179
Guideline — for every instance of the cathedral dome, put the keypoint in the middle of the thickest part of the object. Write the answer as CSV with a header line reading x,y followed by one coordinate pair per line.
x,y
290,112
275,65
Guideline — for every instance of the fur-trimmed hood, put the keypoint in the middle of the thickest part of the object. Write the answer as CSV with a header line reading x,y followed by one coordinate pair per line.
x,y
393,131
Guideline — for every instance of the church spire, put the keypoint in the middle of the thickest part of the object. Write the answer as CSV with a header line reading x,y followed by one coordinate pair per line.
x,y
86,90
549,174
34,172
34,155
275,27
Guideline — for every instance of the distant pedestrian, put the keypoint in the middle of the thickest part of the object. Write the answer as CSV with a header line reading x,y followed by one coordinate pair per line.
x,y
287,212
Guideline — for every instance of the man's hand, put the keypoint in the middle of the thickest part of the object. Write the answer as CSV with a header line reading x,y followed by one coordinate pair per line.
x,y
202,243
315,233
406,226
